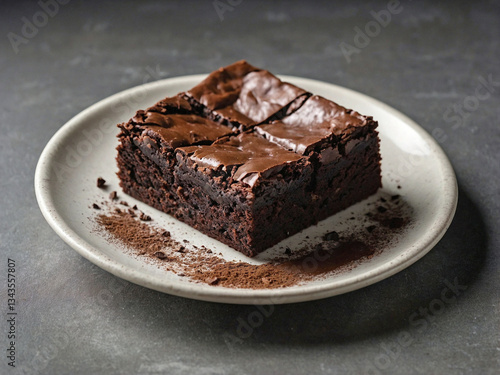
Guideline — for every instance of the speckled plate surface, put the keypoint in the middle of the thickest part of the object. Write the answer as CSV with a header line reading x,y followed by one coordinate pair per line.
x,y
84,148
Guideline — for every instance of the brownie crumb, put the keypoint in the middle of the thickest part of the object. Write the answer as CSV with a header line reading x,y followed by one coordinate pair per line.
x,y
135,207
371,228
381,209
123,203
399,186
118,211
101,182
331,236
212,280
160,255
383,200
166,233
131,212
394,197
144,217
95,206
288,251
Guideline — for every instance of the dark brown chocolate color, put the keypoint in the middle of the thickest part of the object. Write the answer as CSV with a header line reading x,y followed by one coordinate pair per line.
x,y
245,95
248,159
182,130
318,121
222,87
171,121
252,157
101,182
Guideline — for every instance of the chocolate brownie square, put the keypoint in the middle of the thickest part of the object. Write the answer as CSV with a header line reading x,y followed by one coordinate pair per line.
x,y
248,159
343,146
243,190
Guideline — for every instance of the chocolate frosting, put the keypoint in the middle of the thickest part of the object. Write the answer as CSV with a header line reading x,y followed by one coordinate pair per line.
x,y
222,87
174,104
263,94
178,130
317,120
251,155
243,93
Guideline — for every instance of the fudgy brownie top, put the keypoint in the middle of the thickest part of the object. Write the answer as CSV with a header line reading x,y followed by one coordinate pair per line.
x,y
177,129
175,104
222,87
318,121
245,157
183,130
245,94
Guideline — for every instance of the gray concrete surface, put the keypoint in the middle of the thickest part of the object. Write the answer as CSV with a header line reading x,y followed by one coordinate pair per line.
x,y
74,318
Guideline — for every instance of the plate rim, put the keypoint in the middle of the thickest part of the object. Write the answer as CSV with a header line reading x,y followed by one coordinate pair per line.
x,y
239,295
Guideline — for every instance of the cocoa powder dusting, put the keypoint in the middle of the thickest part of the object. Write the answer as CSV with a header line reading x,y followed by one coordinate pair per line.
x,y
201,265
136,235
336,252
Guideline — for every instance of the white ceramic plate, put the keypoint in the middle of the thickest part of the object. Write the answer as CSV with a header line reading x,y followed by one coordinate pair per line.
x,y
84,148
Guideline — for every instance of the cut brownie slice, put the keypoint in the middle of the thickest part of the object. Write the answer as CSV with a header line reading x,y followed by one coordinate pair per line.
x,y
241,95
243,190
147,144
343,146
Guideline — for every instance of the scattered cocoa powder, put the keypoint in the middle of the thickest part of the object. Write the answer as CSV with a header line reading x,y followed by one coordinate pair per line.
x,y
136,235
202,265
335,252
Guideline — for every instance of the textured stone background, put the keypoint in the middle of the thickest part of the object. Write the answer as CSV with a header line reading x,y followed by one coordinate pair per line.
x,y
427,62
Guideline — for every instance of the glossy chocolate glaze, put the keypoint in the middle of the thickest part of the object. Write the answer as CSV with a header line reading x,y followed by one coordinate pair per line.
x,y
253,156
317,120
245,94
178,130
175,104
222,87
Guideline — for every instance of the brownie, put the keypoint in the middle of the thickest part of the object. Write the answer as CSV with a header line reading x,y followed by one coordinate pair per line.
x,y
318,124
246,190
241,95
343,146
146,153
248,159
